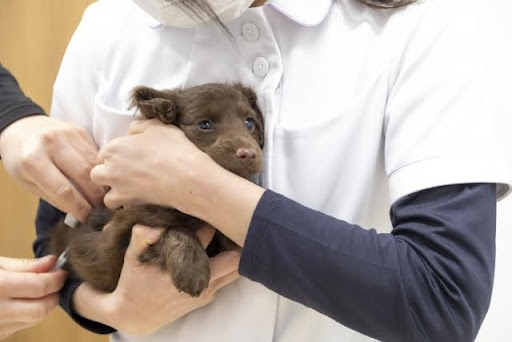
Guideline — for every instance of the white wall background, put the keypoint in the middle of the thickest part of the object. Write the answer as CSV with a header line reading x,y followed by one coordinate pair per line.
x,y
496,28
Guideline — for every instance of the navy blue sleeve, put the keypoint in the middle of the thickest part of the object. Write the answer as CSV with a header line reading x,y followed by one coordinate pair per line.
x,y
14,105
47,217
429,280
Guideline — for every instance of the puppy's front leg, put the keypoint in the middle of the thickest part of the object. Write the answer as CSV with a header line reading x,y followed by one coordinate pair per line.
x,y
97,256
180,252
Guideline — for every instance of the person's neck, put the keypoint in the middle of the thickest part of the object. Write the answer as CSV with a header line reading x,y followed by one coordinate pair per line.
x,y
257,3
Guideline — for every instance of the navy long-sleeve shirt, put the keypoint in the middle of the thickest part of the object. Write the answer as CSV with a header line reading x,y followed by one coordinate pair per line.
x,y
14,105
429,280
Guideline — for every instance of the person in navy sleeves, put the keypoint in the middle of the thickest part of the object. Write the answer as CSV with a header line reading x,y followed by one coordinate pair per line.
x,y
375,215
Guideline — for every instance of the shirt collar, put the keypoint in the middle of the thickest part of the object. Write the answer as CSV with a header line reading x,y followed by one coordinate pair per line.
x,y
304,12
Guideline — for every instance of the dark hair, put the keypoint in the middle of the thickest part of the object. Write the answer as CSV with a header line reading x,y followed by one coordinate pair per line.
x,y
201,9
387,3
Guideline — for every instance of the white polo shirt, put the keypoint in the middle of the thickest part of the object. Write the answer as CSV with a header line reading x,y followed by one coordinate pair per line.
x,y
361,106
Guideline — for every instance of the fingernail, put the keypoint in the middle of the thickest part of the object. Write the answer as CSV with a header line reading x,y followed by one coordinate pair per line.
x,y
44,259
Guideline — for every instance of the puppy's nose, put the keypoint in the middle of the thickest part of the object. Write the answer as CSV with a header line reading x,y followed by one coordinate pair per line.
x,y
246,153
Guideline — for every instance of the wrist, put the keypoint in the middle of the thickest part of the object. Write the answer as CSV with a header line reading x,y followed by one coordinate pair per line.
x,y
224,200
13,127
93,305
200,178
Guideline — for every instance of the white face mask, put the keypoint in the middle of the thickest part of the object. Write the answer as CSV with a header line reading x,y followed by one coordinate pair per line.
x,y
169,13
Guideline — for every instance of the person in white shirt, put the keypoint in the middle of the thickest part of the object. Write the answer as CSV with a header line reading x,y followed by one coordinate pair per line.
x,y
381,169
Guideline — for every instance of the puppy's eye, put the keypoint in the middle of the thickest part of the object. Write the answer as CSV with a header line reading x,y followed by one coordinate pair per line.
x,y
205,125
250,123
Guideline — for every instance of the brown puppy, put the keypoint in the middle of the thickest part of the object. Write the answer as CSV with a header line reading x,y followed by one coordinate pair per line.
x,y
220,119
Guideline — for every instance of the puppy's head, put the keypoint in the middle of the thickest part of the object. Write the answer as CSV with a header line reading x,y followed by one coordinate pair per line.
x,y
222,120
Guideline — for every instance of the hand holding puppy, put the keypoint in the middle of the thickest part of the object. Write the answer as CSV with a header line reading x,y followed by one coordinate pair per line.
x,y
146,291
157,158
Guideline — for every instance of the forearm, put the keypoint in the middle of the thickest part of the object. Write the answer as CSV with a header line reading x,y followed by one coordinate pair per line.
x,y
220,193
430,280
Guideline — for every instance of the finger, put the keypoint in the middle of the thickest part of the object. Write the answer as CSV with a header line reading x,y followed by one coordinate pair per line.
x,y
39,193
58,190
30,285
140,126
142,237
99,175
223,281
76,168
28,265
110,148
223,264
205,235
113,201
29,310
217,284
87,145
84,144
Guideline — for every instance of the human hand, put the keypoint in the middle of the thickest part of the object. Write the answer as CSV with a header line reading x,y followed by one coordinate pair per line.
x,y
52,159
173,172
154,157
27,292
145,291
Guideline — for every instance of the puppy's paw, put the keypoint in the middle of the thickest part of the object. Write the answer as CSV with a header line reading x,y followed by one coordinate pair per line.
x,y
150,256
192,274
180,253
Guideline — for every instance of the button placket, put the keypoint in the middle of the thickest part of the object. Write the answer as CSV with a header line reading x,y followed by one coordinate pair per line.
x,y
264,62
251,34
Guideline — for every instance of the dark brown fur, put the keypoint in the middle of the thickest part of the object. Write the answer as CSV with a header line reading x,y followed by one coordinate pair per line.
x,y
96,255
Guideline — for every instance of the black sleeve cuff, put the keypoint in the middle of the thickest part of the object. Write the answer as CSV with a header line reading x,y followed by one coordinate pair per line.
x,y
19,113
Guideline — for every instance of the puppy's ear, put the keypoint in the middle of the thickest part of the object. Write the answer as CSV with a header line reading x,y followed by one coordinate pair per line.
x,y
249,94
252,98
155,104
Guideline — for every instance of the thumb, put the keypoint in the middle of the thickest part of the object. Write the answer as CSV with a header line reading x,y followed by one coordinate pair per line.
x,y
28,265
142,237
139,126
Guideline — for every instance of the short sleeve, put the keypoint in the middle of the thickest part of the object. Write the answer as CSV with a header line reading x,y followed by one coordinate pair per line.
x,y
439,129
77,79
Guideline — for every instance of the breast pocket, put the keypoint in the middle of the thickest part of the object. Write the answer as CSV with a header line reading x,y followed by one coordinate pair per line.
x,y
109,122
328,162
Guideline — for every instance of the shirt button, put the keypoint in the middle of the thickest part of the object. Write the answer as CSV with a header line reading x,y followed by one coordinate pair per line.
x,y
250,32
260,67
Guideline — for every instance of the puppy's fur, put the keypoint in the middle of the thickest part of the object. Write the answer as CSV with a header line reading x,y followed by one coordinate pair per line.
x,y
223,121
